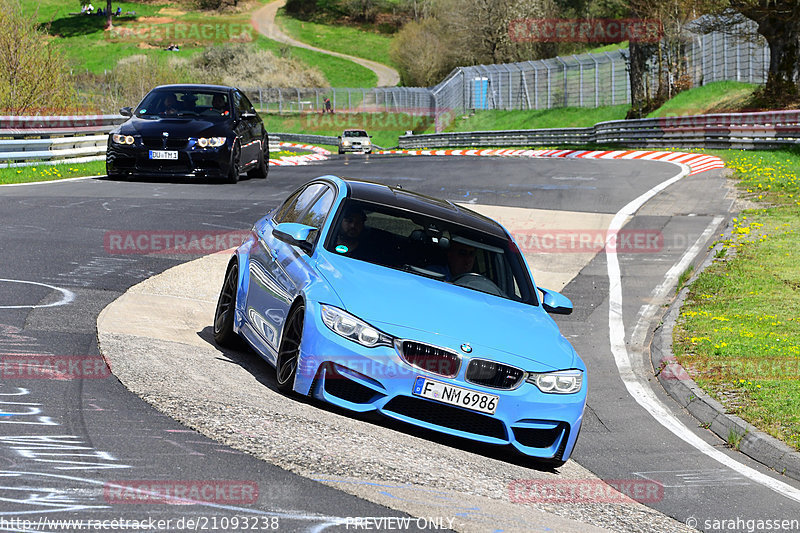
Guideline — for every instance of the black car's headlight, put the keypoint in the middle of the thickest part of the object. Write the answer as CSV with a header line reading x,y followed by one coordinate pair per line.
x,y
118,138
352,328
559,382
210,142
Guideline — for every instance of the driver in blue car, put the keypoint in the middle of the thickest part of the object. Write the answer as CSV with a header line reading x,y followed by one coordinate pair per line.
x,y
460,260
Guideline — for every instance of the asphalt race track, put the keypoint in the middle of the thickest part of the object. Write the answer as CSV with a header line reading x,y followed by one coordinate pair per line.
x,y
72,448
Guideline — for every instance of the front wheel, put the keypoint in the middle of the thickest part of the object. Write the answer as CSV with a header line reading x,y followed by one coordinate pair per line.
x,y
260,170
234,169
289,352
226,307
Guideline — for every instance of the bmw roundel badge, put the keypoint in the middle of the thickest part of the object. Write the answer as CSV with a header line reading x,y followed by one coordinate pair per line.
x,y
466,348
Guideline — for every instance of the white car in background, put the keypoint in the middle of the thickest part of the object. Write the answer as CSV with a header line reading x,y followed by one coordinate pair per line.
x,y
355,141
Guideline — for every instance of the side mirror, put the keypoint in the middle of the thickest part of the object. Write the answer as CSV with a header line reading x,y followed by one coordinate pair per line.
x,y
555,303
295,234
126,112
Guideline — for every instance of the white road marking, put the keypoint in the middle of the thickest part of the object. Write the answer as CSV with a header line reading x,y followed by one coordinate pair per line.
x,y
67,296
637,384
51,181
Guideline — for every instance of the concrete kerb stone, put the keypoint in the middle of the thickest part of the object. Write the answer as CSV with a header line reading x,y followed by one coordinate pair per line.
x,y
754,443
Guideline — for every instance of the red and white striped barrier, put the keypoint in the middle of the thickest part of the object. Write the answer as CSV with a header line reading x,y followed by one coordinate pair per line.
x,y
320,154
696,162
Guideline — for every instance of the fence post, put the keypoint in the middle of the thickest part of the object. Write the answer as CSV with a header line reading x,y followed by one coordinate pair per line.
x,y
613,65
564,66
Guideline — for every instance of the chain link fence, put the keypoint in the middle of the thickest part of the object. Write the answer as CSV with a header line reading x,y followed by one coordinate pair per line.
x,y
584,80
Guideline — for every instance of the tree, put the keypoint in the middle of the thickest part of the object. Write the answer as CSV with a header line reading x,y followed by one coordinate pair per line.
x,y
480,28
779,22
33,75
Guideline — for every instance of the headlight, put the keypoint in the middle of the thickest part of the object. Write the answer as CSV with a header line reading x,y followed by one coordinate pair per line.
x,y
345,143
561,382
210,142
122,139
352,328
365,142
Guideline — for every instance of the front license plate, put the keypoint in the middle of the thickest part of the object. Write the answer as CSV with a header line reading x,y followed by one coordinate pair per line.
x,y
466,398
163,154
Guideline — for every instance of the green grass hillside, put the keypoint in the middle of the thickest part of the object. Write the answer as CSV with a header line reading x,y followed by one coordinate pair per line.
x,y
147,29
348,40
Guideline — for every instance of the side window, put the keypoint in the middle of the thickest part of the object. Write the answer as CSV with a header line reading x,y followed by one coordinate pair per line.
x,y
318,212
243,105
296,205
246,103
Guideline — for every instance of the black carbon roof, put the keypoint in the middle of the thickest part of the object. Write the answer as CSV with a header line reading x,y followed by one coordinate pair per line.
x,y
378,193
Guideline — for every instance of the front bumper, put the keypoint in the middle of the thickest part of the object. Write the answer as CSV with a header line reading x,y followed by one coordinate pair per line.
x,y
359,148
133,160
362,379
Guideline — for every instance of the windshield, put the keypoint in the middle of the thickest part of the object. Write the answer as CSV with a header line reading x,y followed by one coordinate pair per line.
x,y
355,133
185,103
432,248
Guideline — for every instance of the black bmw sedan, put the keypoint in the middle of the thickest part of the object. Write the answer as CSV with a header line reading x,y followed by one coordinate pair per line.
x,y
188,131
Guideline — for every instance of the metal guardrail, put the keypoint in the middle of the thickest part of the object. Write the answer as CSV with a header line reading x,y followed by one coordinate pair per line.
x,y
26,141
762,130
37,140
314,139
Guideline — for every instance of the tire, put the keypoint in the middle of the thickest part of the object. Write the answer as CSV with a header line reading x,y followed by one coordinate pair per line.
x,y
289,352
235,168
260,170
226,308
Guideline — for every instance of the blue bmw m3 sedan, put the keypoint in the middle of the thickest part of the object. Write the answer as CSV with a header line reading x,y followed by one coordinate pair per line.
x,y
378,299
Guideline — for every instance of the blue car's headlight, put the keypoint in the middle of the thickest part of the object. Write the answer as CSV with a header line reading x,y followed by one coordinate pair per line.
x,y
561,382
352,328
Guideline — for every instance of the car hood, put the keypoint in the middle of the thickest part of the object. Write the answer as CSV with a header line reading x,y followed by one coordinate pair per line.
x,y
403,304
183,127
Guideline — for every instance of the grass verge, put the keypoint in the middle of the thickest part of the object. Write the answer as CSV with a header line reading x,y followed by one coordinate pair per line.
x,y
343,39
560,117
716,97
339,72
385,128
739,331
51,172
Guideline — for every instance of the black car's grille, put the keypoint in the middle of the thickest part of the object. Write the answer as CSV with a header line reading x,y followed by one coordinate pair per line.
x,y
540,438
447,416
494,375
346,389
157,143
431,359
146,165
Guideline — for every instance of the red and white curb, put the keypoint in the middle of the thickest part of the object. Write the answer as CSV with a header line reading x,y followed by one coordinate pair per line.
x,y
320,154
696,162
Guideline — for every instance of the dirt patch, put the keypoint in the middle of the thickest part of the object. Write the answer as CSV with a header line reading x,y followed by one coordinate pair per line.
x,y
155,20
171,12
